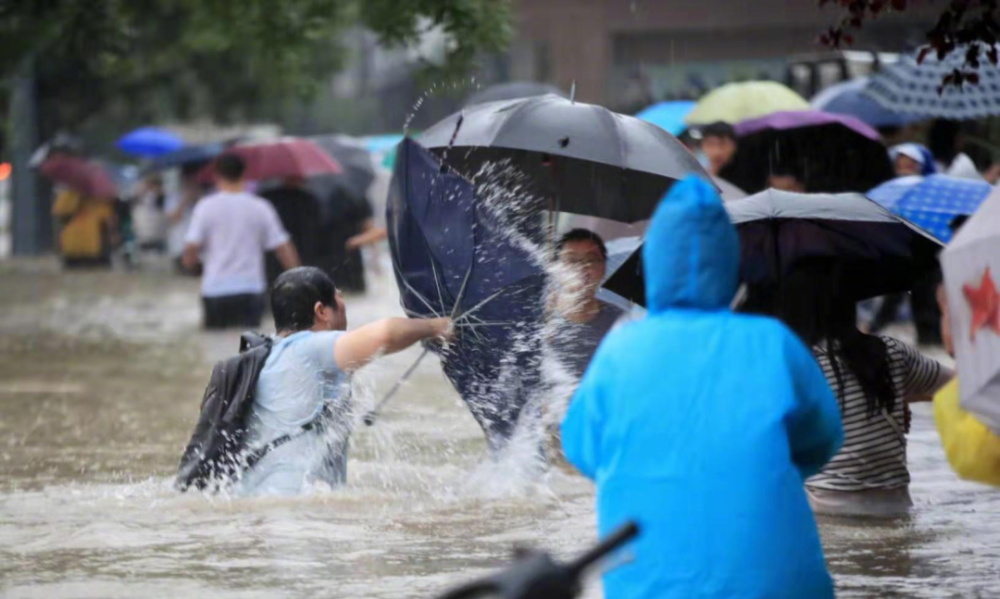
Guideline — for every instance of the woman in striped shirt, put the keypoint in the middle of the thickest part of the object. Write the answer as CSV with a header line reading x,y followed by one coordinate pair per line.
x,y
874,379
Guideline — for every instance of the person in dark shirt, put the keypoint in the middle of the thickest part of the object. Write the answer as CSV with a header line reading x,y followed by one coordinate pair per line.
x,y
581,320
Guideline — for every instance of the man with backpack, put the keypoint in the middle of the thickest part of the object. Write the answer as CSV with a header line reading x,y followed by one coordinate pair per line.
x,y
295,430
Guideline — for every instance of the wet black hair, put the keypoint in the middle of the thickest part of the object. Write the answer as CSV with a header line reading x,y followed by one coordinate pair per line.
x,y
718,129
294,296
230,166
582,235
810,302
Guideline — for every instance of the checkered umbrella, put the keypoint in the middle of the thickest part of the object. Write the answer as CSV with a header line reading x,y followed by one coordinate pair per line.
x,y
911,87
971,266
933,202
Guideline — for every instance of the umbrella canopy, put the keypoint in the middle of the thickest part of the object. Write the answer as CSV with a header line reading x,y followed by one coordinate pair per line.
x,y
668,116
913,88
778,230
971,266
149,141
186,155
848,98
512,90
932,202
289,157
354,157
453,255
576,157
735,102
82,176
828,153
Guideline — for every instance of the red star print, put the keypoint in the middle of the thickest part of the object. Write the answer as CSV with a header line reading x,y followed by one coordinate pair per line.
x,y
985,304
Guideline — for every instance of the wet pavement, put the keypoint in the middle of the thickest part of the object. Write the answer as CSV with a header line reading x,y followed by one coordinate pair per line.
x,y
101,375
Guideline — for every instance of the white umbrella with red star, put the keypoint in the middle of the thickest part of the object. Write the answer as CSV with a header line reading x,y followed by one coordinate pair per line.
x,y
971,265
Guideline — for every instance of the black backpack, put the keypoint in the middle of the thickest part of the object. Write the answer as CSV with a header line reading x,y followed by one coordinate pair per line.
x,y
215,455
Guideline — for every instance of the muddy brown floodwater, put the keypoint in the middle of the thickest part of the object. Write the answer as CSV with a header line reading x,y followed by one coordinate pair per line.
x,y
100,379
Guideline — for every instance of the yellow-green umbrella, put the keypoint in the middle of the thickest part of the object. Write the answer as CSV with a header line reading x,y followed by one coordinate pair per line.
x,y
735,102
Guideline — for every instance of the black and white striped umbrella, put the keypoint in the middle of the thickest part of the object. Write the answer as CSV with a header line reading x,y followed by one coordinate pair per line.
x,y
911,87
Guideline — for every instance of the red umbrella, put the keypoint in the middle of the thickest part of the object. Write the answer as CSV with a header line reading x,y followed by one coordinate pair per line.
x,y
83,177
291,157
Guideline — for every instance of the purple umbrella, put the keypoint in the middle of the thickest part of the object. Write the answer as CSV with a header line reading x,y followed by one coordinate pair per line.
x,y
794,119
827,153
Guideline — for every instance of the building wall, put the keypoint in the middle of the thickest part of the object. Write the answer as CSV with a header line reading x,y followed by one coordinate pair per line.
x,y
603,45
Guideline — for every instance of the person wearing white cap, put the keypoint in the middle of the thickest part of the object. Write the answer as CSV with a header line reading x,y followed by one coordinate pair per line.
x,y
912,159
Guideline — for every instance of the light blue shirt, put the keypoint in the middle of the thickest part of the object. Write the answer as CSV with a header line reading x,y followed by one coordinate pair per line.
x,y
299,380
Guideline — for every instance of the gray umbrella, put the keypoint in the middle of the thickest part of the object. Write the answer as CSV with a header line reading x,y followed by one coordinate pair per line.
x,y
580,157
512,90
357,162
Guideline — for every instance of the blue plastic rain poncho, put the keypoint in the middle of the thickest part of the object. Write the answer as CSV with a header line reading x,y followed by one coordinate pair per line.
x,y
701,425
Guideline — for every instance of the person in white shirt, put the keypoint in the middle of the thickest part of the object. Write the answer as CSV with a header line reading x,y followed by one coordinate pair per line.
x,y
229,232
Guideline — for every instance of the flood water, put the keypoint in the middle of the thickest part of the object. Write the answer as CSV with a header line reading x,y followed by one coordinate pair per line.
x,y
101,376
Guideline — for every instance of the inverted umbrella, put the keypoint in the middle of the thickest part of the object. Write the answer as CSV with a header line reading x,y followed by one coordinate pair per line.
x,y
149,141
669,116
971,267
829,153
513,90
82,176
880,252
848,98
913,87
735,102
932,202
289,157
454,256
576,157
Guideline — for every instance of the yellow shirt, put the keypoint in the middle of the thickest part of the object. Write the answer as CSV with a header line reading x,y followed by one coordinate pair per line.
x,y
972,448
85,234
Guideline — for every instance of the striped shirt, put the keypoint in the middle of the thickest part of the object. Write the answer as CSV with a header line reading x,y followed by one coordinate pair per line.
x,y
874,451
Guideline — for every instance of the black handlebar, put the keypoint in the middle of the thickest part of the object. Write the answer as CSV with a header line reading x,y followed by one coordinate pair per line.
x,y
535,575
613,541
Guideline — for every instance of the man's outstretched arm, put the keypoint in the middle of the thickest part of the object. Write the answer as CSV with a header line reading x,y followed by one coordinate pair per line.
x,y
387,336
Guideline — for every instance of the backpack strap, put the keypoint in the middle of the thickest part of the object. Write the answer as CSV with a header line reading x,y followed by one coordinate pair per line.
x,y
251,340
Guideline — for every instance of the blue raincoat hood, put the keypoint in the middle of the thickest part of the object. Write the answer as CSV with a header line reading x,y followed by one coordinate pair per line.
x,y
701,425
691,255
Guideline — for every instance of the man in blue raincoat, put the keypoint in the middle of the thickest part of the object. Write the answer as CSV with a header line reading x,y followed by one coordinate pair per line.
x,y
701,425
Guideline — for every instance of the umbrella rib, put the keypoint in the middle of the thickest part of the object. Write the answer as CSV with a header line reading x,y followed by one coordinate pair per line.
x,y
461,292
415,292
468,313
437,283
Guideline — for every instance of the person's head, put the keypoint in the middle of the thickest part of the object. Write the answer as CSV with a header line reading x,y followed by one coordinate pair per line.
x,y
787,177
305,298
810,301
691,253
229,169
718,143
585,254
154,182
911,159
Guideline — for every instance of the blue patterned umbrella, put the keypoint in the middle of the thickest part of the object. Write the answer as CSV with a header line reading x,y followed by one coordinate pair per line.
x,y
847,98
932,202
911,87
